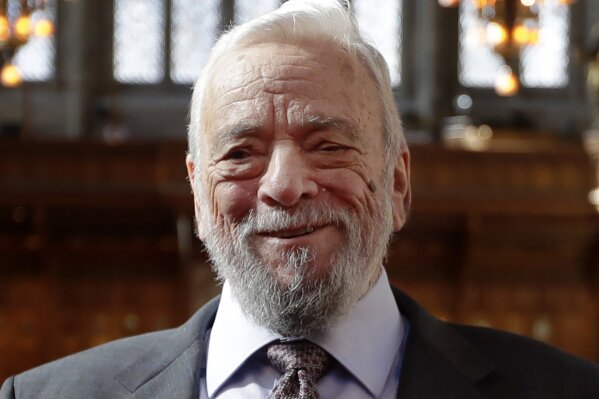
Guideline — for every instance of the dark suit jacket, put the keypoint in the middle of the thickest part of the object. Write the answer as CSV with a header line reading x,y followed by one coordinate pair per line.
x,y
442,360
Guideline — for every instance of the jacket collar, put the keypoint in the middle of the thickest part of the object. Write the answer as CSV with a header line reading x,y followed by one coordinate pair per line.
x,y
438,362
173,365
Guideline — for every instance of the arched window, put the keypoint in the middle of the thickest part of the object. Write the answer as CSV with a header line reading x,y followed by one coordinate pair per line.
x,y
156,40
542,65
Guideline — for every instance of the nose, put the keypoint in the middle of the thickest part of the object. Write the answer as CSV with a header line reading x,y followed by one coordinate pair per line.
x,y
287,179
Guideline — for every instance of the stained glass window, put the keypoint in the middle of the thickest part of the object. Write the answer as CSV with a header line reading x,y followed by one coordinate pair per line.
x,y
36,59
544,64
140,25
195,26
246,10
139,41
478,64
382,25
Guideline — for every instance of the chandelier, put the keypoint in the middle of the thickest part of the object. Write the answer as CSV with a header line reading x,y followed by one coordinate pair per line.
x,y
508,27
17,27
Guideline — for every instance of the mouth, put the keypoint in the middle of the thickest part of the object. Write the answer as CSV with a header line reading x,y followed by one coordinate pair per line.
x,y
292,232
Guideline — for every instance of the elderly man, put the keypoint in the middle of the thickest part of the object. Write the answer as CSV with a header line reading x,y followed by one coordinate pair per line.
x,y
300,175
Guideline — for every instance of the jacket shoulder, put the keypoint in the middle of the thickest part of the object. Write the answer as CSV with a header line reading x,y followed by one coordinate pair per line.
x,y
497,364
525,362
86,373
92,374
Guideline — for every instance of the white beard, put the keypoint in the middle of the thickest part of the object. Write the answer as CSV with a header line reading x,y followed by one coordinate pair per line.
x,y
306,304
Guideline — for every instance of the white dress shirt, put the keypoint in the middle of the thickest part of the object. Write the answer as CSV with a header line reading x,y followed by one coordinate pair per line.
x,y
367,344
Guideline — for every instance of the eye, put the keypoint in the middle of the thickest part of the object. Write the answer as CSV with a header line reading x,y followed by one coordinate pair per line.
x,y
238,154
329,147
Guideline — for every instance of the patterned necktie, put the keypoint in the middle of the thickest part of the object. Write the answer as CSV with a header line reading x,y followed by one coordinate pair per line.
x,y
302,364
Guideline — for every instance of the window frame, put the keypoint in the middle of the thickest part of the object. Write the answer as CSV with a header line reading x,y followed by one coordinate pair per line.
x,y
526,105
227,17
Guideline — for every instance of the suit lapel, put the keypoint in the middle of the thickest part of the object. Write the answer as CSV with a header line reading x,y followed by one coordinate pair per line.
x,y
180,379
173,366
438,362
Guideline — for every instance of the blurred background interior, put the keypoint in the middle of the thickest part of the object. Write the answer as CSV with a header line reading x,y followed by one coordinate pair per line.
x,y
500,102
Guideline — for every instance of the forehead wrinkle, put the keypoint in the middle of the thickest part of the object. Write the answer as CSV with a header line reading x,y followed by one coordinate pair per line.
x,y
295,87
306,66
224,108
318,122
281,85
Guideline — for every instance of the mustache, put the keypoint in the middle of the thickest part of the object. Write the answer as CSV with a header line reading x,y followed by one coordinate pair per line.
x,y
303,215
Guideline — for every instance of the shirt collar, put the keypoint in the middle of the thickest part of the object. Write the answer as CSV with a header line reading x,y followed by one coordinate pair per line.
x,y
366,341
361,341
226,350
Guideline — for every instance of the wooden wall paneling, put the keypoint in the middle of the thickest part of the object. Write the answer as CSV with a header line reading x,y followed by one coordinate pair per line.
x,y
4,333
504,238
26,321
200,280
592,275
571,308
426,264
516,261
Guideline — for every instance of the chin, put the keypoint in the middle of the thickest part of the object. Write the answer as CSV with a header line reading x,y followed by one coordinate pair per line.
x,y
295,272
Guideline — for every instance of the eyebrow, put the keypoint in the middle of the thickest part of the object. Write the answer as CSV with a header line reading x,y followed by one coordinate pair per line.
x,y
313,123
238,130
317,122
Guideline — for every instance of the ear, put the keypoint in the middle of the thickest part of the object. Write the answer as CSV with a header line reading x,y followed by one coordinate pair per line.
x,y
194,182
402,193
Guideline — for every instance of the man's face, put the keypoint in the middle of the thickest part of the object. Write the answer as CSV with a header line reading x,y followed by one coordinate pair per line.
x,y
293,152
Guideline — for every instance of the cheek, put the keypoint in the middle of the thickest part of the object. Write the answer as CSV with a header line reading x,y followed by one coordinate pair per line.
x,y
348,187
353,179
233,200
349,165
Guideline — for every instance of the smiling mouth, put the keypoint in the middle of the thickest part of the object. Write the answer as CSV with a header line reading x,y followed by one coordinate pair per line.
x,y
291,233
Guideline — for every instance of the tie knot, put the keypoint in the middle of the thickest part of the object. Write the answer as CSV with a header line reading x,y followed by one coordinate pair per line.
x,y
299,355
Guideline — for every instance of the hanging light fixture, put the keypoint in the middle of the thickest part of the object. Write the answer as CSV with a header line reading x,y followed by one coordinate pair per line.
x,y
508,27
16,29
506,83
10,76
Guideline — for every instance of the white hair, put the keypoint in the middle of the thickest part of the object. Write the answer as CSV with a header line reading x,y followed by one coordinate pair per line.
x,y
300,22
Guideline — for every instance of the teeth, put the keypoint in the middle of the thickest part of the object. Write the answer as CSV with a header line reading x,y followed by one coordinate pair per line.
x,y
309,230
